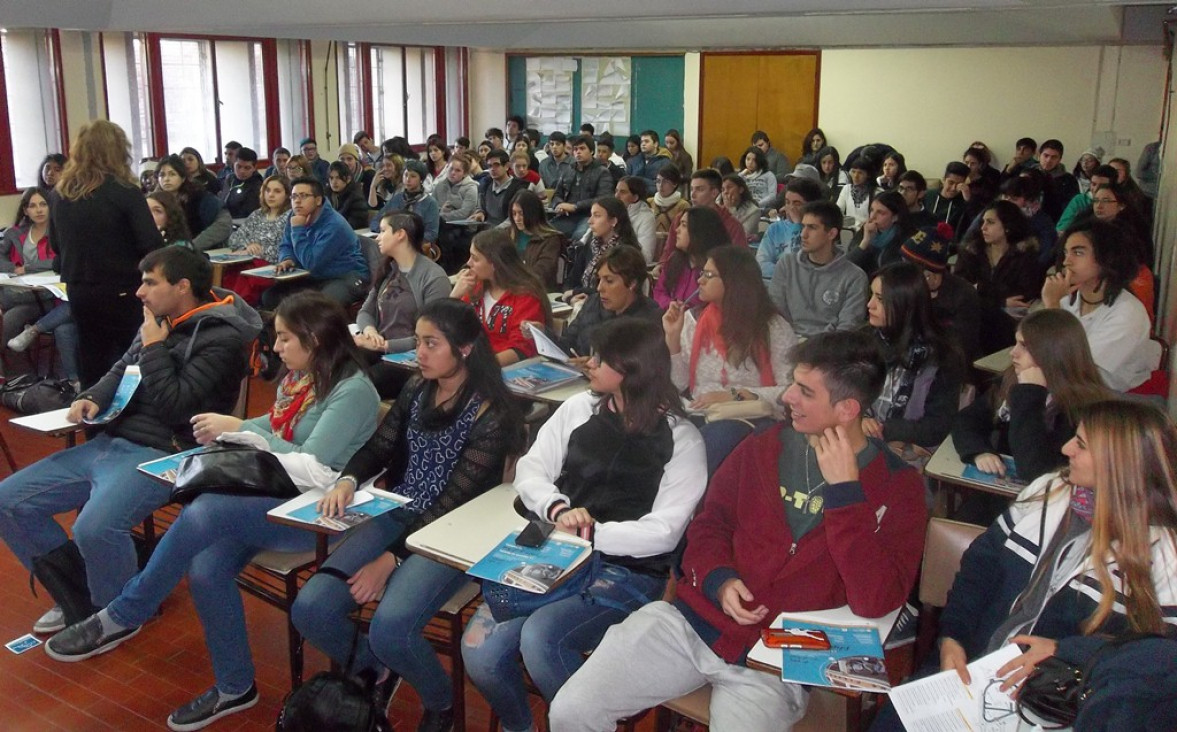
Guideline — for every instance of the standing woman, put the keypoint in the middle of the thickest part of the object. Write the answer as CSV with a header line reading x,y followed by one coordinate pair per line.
x,y
761,181
1000,259
699,231
620,465
678,154
608,227
208,219
325,410
737,199
736,350
259,235
925,366
101,227
811,146
536,241
444,441
387,319
198,172
505,294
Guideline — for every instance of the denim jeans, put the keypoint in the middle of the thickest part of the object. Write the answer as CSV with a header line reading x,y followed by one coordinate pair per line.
x,y
213,540
415,592
60,322
101,474
552,640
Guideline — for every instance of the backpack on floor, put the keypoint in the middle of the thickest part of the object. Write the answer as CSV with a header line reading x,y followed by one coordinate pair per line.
x,y
28,395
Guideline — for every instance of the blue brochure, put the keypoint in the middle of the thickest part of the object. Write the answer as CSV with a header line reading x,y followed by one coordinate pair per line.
x,y
854,660
532,569
1011,479
165,467
536,377
406,358
122,396
356,514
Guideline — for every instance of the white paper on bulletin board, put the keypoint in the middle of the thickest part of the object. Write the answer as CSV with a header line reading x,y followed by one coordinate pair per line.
x,y
549,92
605,93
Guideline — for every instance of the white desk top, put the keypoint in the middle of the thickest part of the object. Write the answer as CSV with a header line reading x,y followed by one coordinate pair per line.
x,y
946,466
52,423
468,533
996,363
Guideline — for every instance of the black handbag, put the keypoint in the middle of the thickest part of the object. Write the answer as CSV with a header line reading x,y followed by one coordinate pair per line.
x,y
232,470
63,573
33,396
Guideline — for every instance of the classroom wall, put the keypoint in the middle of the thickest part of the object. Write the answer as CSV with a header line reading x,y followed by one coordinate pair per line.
x,y
930,103
488,92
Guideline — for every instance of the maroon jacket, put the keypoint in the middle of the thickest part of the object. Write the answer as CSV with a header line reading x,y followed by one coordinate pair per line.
x,y
865,553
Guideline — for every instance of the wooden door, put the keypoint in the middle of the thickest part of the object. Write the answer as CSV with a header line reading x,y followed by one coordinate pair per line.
x,y
745,92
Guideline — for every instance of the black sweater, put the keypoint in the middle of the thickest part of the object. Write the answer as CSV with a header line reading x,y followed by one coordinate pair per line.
x,y
1034,440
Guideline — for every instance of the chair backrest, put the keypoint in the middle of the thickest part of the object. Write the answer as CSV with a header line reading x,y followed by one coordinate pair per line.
x,y
944,545
372,256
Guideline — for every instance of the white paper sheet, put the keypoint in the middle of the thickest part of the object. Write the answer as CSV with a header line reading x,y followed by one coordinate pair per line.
x,y
942,703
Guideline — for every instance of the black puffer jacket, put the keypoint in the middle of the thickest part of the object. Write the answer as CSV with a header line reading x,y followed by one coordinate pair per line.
x,y
198,368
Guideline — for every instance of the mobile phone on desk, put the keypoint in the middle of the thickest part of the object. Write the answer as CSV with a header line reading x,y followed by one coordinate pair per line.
x,y
535,534
803,639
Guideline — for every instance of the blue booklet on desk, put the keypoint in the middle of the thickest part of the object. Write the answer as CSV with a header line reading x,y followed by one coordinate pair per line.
x,y
271,272
165,467
406,358
854,659
532,569
536,377
366,504
230,257
1011,479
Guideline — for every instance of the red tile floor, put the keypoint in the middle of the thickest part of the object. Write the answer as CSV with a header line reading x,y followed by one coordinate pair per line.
x,y
138,684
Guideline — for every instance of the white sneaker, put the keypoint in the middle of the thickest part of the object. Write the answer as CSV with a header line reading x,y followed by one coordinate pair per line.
x,y
50,622
25,339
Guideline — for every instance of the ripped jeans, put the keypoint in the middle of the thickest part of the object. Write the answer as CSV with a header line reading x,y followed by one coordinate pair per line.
x,y
552,640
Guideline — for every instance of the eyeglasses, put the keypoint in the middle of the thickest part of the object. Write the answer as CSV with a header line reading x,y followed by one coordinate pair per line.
x,y
707,274
302,196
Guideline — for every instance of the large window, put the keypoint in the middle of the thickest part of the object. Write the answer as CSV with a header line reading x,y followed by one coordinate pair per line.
x,y
128,93
293,110
395,91
352,111
30,79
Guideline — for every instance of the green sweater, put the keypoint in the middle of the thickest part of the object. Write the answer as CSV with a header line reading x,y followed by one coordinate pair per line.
x,y
333,428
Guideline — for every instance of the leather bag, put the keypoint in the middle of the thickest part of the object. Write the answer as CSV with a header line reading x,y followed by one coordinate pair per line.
x,y
235,471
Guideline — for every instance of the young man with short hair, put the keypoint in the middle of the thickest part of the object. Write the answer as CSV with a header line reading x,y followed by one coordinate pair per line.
x,y
784,234
778,162
558,164
515,125
948,204
241,193
1101,177
1023,159
495,195
319,240
310,150
574,197
914,187
1061,186
706,184
604,156
230,154
369,151
807,514
652,158
191,355
815,287
495,137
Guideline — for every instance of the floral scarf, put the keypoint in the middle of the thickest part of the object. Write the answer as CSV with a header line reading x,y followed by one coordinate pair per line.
x,y
598,247
296,394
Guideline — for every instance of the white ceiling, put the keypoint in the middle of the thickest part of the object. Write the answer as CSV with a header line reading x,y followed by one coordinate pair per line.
x,y
602,24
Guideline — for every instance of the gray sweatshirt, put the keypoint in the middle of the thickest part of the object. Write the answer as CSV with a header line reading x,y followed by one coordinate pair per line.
x,y
427,282
819,298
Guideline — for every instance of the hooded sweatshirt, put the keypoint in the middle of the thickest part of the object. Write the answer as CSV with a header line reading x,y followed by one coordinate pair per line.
x,y
819,298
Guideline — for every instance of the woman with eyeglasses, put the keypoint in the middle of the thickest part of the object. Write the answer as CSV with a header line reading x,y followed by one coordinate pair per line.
x,y
1114,203
699,231
619,466
735,349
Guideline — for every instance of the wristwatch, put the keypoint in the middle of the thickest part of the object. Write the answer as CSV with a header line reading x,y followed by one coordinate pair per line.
x,y
736,395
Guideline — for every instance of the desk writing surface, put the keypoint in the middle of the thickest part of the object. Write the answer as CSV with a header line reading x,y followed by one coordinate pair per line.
x,y
947,467
996,363
468,533
52,423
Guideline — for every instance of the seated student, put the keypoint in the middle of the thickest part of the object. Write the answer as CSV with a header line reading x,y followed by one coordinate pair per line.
x,y
230,157
1025,191
325,410
631,190
678,154
913,187
829,167
761,181
1082,553
209,221
389,313
50,171
811,147
437,160
1032,413
296,167
557,166
317,166
574,196
1113,204
495,137
666,204
776,162
278,160
1096,268
734,350
894,165
496,193
357,163
761,545
169,218
345,196
651,157
722,165
737,200
876,244
1088,161
698,230
784,234
1101,177
191,352
386,181
816,288
925,366
1001,261
948,203
855,199
620,465
980,187
536,241
605,155
1061,186
505,294
621,278
633,146
199,173
412,197
706,187
260,235
240,191
609,227
1025,150
955,304
456,193
445,441
320,241
521,169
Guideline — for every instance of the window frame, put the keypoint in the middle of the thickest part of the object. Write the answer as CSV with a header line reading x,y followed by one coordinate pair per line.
x,y
52,39
367,113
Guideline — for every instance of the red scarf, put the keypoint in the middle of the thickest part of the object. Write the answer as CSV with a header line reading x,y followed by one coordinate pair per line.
x,y
707,334
296,394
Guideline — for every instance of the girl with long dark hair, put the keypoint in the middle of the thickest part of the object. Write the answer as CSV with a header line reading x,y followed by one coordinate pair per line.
x,y
608,227
699,231
208,220
536,241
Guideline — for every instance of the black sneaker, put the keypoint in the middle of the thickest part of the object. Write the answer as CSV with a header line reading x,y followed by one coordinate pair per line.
x,y
84,640
208,708
432,721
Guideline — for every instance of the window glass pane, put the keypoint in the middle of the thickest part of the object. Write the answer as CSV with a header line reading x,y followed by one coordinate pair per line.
x,y
32,101
188,96
455,99
388,93
420,99
241,93
127,92
292,94
351,103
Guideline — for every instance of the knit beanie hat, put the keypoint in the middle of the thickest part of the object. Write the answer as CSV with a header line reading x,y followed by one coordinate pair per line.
x,y
930,247
417,167
348,148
